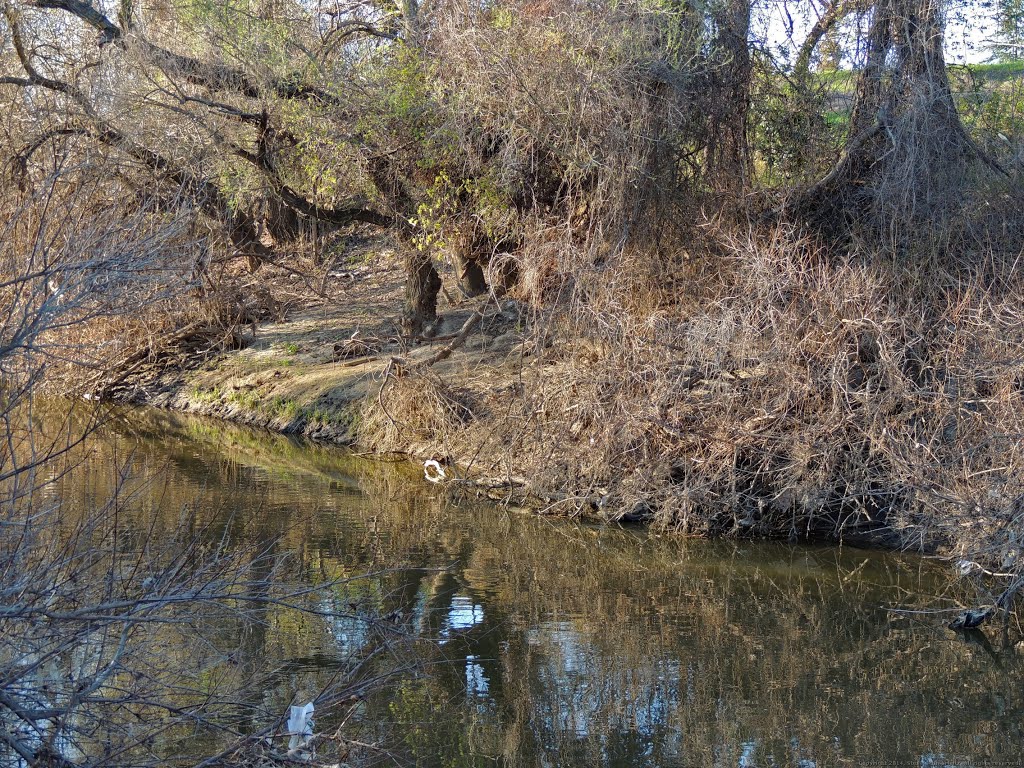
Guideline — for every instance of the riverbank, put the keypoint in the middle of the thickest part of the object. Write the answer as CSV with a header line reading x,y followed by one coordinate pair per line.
x,y
329,368
771,394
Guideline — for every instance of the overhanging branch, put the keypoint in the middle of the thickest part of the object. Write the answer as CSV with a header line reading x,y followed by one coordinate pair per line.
x,y
241,227
301,205
19,162
215,77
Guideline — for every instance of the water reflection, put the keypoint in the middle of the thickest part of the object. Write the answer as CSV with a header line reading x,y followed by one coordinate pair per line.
x,y
463,613
560,644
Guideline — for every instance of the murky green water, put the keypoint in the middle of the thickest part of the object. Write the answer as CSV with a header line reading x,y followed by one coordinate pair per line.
x,y
567,645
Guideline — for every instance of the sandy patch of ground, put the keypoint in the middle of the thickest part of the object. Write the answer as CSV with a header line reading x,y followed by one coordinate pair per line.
x,y
311,371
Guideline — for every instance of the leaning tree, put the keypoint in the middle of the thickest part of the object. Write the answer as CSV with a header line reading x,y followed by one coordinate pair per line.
x,y
253,119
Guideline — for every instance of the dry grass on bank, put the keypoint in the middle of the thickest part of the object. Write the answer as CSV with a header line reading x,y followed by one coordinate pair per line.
x,y
95,291
417,407
781,392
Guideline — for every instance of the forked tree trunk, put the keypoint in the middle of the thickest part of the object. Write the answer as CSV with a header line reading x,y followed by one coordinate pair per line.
x,y
904,163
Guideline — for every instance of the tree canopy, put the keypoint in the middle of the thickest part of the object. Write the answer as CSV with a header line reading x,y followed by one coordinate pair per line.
x,y
466,129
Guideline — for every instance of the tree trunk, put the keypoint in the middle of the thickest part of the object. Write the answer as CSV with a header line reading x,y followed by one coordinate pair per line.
x,y
422,283
904,167
469,249
421,288
727,129
244,234
470,275
282,222
832,16
411,17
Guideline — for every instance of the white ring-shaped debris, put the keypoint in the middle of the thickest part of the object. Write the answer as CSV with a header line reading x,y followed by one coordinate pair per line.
x,y
433,472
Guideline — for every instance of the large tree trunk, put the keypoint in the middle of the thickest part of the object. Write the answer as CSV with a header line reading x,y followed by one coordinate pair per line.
x,y
244,233
727,128
470,275
422,283
282,222
469,249
421,288
904,166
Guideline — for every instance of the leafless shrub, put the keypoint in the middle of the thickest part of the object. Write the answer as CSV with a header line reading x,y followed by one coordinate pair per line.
x,y
115,650
84,277
410,408
114,631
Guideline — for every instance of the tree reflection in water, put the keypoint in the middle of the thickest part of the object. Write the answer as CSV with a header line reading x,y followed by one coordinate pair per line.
x,y
561,644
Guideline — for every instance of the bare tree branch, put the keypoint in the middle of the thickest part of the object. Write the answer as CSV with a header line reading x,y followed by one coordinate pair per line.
x,y
215,77
833,14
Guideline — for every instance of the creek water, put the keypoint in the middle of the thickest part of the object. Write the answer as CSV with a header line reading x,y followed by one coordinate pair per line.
x,y
532,641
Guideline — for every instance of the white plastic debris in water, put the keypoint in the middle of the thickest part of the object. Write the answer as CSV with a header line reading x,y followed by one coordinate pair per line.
x,y
300,727
433,471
